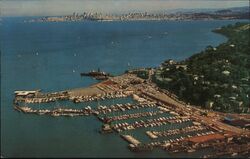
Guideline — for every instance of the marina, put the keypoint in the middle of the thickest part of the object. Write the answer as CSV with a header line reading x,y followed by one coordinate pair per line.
x,y
151,113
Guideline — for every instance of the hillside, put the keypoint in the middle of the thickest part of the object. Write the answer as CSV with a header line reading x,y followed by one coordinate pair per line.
x,y
216,78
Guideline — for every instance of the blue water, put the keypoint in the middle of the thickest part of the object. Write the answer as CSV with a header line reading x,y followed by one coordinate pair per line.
x,y
50,56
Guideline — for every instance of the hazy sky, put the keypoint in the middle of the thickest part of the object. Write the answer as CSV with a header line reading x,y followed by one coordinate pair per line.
x,y
62,7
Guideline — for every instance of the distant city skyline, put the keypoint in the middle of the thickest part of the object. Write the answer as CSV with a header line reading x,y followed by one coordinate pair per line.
x,y
65,7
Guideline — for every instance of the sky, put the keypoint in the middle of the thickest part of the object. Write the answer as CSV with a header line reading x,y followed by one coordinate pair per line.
x,y
65,7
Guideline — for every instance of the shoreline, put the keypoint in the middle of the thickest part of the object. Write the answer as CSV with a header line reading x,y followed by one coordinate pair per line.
x,y
132,20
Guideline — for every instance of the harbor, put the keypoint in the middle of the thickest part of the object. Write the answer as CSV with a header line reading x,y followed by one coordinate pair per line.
x,y
161,119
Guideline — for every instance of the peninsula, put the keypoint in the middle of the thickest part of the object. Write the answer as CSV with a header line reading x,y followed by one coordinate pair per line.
x,y
218,78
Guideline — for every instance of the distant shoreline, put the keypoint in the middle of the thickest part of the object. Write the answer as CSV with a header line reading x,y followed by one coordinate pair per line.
x,y
216,15
28,21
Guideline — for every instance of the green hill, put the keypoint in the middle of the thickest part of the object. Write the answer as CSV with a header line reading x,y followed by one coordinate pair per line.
x,y
217,78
